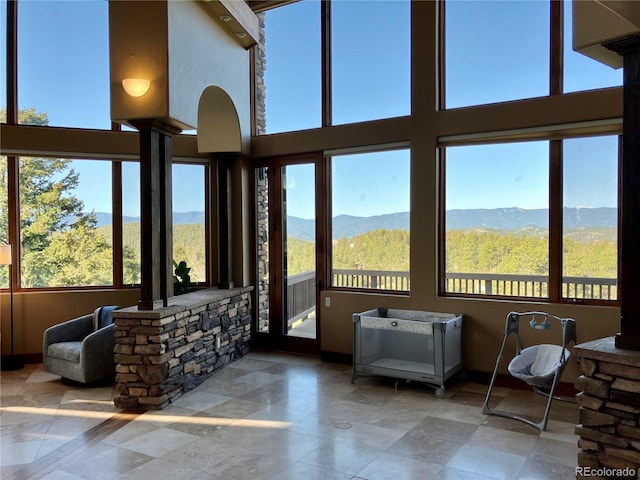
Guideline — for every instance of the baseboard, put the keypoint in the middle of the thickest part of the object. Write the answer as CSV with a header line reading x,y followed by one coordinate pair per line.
x,y
27,358
336,357
474,376
503,380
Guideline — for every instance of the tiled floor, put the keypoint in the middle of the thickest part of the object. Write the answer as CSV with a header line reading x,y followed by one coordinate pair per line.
x,y
277,416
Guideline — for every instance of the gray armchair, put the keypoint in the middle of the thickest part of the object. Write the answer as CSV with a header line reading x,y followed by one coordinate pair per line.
x,y
81,349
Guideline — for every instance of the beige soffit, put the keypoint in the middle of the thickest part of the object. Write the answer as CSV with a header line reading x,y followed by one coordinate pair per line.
x,y
237,18
599,22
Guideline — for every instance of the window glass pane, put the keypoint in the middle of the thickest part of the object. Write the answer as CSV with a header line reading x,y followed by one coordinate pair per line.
x,y
64,75
292,76
4,218
370,225
3,61
299,249
131,259
580,71
497,219
65,222
590,218
496,51
189,243
371,69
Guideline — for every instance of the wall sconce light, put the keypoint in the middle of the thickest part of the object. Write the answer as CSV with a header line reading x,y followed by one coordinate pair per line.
x,y
136,87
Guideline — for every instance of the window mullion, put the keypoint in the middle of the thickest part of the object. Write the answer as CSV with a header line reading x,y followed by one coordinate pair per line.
x,y
556,46
12,63
325,25
555,220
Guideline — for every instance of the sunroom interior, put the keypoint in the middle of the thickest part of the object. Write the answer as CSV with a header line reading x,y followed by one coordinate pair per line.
x,y
439,117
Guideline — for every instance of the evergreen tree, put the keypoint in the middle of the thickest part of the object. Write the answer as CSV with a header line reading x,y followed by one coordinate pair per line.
x,y
59,242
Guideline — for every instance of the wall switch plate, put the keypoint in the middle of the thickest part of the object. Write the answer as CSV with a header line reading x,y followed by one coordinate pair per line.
x,y
327,301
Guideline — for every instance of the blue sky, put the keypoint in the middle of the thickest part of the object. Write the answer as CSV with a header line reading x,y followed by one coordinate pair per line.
x,y
67,76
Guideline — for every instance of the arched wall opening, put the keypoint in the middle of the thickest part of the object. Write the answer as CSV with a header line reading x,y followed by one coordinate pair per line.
x,y
218,122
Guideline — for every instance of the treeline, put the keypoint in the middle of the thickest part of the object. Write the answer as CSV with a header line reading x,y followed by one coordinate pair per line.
x,y
375,250
188,245
586,252
520,253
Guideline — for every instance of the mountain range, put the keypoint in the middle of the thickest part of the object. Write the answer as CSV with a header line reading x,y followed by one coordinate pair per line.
x,y
494,219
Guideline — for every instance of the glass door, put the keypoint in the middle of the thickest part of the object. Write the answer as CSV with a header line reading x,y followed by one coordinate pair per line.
x,y
299,250
288,282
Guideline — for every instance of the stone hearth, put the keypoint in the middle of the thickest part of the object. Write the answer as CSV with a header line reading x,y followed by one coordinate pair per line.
x,y
609,401
161,354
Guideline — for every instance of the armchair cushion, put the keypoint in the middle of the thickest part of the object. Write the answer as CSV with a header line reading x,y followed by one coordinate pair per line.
x,y
69,351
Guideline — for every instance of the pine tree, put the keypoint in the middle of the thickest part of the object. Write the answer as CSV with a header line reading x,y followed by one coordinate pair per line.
x,y
59,242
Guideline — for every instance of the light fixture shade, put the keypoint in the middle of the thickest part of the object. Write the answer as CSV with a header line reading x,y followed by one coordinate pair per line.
x,y
136,87
5,254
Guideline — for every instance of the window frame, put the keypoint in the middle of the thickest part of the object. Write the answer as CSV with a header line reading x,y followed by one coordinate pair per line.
x,y
556,55
326,100
556,205
329,219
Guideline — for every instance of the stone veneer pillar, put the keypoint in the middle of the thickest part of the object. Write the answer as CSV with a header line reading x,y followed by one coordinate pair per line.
x,y
609,402
161,354
262,188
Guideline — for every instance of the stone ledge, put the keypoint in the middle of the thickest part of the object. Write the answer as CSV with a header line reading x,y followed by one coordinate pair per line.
x,y
182,303
604,349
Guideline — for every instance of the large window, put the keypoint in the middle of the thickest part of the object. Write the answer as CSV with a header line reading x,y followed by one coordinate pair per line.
x,y
590,218
370,220
189,241
63,62
495,51
65,220
500,51
131,235
580,71
292,77
367,52
370,60
3,61
501,219
497,219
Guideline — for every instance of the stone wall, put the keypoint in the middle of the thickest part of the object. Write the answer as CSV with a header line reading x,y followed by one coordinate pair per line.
x,y
161,354
262,188
609,400
260,91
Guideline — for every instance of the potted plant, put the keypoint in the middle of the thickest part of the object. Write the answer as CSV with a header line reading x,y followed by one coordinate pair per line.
x,y
181,278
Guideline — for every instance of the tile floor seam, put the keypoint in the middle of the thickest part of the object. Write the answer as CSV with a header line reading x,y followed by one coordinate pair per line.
x,y
383,420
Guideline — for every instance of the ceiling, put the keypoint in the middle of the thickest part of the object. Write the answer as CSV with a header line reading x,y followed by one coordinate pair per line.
x,y
262,5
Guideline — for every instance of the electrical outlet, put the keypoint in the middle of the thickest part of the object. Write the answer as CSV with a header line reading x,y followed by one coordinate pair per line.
x,y
327,301
218,343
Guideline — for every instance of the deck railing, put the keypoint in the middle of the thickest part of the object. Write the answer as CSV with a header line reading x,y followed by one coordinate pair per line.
x,y
374,279
301,287
530,285
301,296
